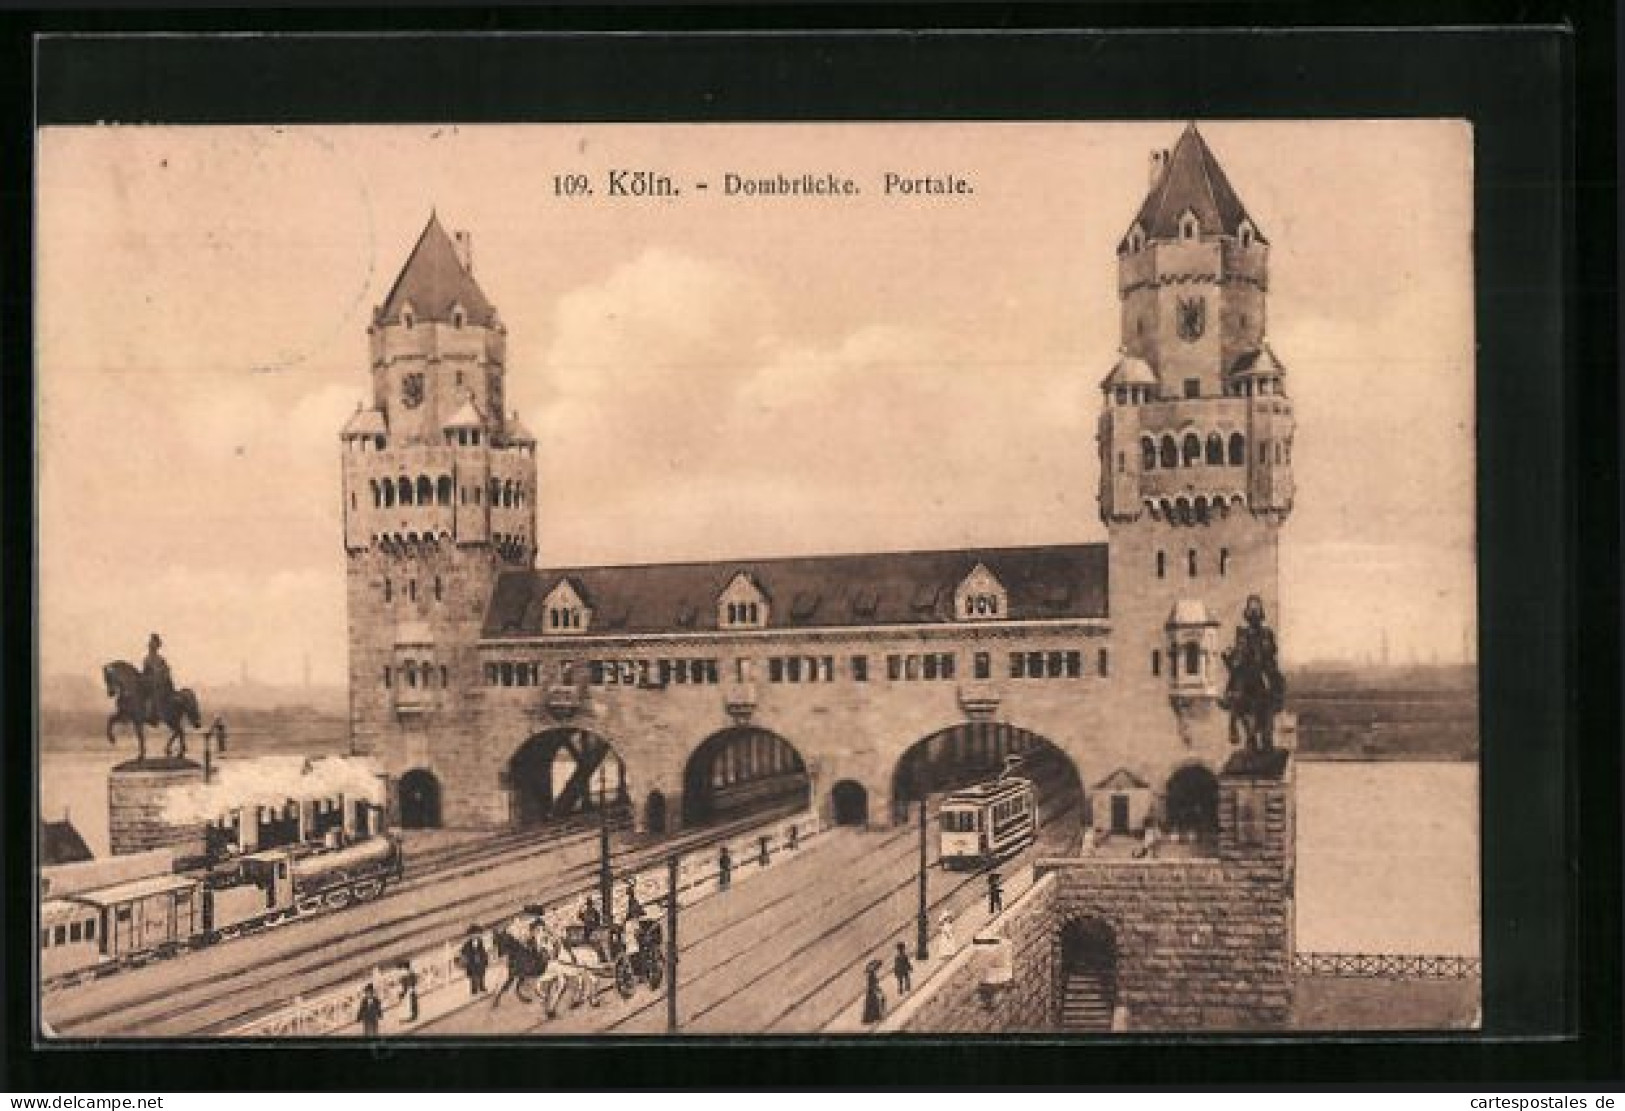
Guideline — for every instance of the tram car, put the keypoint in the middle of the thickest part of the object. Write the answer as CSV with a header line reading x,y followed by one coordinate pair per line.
x,y
988,822
138,920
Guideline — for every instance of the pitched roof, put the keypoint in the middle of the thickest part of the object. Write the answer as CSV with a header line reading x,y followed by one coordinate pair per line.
x,y
1121,780
466,416
60,843
435,281
1193,180
517,433
897,588
1129,371
1259,361
366,422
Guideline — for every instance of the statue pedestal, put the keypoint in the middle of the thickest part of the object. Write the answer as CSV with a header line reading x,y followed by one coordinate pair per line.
x,y
139,812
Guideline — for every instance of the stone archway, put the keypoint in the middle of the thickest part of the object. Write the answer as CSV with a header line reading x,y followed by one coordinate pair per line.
x,y
564,771
1086,972
1191,804
420,800
654,812
850,803
742,770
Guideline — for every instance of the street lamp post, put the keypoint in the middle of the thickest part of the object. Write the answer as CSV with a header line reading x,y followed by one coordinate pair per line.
x,y
922,927
672,875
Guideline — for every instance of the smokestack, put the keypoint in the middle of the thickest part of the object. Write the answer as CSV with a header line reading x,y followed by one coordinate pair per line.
x,y
1159,166
465,249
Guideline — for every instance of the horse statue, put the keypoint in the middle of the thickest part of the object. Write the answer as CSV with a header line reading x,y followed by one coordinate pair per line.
x,y
1256,690
128,689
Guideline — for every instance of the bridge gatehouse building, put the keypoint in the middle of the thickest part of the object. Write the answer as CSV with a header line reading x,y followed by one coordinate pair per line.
x,y
495,692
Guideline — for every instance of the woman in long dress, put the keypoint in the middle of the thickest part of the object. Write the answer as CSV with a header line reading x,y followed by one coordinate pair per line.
x,y
874,998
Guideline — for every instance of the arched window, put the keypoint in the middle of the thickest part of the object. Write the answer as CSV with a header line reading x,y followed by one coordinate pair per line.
x,y
411,674
388,490
1224,561
1190,562
1170,453
388,678
389,591
1187,227
438,596
1193,449
457,318
403,490
1156,661
412,589
1238,449
443,490
425,490
1264,452
1193,658
377,494
1201,511
1148,453
1162,564
1215,449
444,675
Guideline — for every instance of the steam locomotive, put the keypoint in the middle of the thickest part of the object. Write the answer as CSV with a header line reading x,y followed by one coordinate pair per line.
x,y
138,920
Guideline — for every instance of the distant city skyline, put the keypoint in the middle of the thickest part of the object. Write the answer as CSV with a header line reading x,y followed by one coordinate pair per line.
x,y
712,379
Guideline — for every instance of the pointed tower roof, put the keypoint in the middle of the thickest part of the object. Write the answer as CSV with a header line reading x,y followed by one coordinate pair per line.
x,y
466,416
366,422
1193,180
434,281
518,433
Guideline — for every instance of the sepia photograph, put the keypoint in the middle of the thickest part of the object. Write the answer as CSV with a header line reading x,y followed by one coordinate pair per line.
x,y
632,580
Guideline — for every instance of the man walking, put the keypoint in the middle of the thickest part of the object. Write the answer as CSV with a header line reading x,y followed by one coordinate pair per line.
x,y
725,868
995,893
903,969
370,1011
474,960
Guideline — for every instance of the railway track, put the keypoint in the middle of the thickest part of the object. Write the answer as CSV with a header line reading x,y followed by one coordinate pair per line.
x,y
236,994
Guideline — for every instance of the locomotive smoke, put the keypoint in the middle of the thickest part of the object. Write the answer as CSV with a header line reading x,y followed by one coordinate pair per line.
x,y
272,781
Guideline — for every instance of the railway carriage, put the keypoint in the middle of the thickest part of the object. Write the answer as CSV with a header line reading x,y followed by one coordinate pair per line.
x,y
988,822
69,937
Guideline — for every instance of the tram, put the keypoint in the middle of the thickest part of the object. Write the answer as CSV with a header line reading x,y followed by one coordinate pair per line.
x,y
983,824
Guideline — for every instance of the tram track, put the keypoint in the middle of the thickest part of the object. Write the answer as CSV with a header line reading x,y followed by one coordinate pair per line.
x,y
214,1002
805,994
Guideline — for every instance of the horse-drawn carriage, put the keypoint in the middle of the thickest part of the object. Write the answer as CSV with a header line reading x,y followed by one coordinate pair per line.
x,y
543,966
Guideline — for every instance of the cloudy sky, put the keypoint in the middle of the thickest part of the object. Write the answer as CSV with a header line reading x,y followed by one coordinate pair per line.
x,y
713,376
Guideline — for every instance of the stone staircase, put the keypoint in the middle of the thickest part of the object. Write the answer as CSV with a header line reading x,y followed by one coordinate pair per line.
x,y
1086,1002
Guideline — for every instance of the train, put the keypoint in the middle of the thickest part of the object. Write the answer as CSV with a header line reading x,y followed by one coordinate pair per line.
x,y
984,824
136,920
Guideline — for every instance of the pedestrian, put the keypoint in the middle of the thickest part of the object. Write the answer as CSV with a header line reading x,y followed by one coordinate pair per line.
x,y
634,908
995,893
761,859
793,842
474,960
370,1011
725,868
947,944
874,999
903,969
409,991
1089,841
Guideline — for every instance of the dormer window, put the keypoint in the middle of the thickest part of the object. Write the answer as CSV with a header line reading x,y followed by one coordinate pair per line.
x,y
1188,225
1246,233
981,597
742,604
565,611
1136,238
458,316
409,315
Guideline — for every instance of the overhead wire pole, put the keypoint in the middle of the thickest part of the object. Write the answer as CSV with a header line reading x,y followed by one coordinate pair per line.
x,y
671,944
922,949
606,878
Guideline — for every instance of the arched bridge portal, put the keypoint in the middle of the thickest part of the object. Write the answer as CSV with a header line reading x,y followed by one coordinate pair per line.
x,y
564,771
739,771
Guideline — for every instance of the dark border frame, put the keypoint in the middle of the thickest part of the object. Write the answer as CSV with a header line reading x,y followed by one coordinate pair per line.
x,y
1547,403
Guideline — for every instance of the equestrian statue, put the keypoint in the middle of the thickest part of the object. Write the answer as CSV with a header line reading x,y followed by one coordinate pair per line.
x,y
148,697
1256,691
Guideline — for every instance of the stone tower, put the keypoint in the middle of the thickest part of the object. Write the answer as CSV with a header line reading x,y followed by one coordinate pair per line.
x,y
439,497
1195,441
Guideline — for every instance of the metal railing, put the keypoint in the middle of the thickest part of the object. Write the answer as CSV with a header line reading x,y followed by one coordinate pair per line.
x,y
1388,966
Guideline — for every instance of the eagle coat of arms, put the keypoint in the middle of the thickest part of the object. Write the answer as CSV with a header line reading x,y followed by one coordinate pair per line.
x,y
1192,318
412,391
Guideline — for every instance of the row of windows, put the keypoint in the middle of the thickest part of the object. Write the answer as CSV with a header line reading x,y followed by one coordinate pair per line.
x,y
1191,563
928,666
563,617
1189,452
386,493
806,669
931,665
1192,654
414,675
744,613
68,932
411,592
